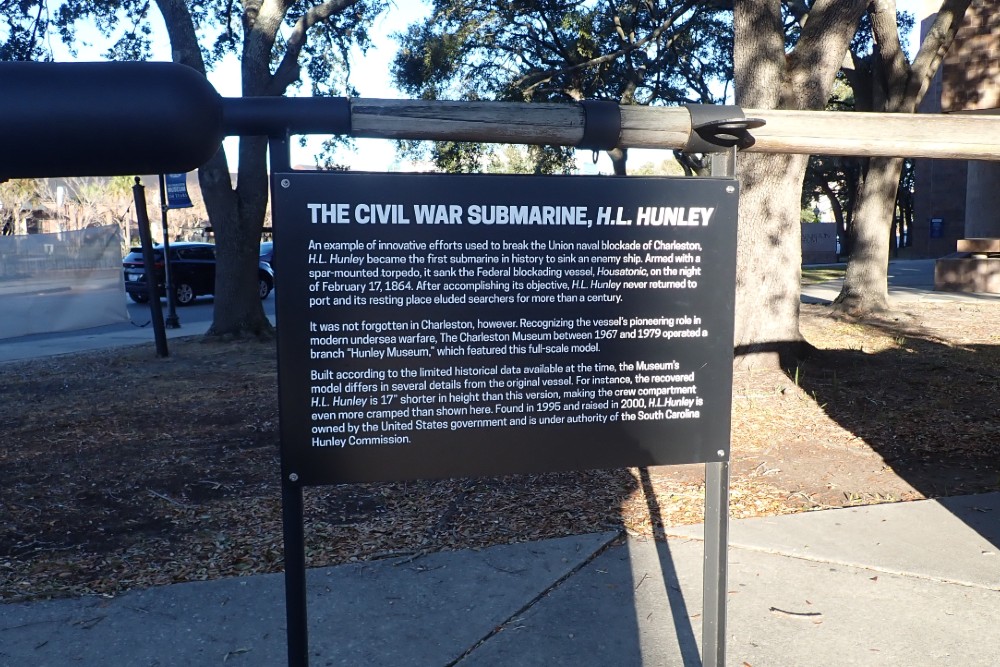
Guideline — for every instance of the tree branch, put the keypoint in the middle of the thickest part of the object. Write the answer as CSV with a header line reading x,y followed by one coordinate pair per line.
x,y
820,50
181,33
935,45
288,69
893,69
526,80
261,23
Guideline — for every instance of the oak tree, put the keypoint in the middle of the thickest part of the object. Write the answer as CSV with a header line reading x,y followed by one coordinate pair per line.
x,y
770,73
885,81
631,52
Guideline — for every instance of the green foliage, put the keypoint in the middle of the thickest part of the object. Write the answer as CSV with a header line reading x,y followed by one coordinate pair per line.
x,y
458,157
20,192
661,168
23,27
564,50
511,159
27,26
670,52
124,22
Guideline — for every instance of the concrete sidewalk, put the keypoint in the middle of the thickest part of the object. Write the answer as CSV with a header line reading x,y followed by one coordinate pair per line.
x,y
910,281
901,584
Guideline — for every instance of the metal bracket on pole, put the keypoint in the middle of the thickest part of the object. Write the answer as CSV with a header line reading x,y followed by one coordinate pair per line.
x,y
602,125
717,127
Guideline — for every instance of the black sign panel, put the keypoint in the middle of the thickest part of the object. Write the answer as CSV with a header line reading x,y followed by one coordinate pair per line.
x,y
437,326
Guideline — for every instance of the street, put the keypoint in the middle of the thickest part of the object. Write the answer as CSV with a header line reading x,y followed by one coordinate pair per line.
x,y
194,320
198,313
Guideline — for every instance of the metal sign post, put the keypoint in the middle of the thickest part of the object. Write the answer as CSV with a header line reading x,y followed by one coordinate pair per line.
x,y
292,512
146,240
166,203
716,556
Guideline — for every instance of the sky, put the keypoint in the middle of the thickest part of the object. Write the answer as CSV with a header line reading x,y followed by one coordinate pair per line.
x,y
371,77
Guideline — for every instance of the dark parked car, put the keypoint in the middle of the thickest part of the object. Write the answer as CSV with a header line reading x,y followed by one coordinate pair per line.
x,y
267,252
192,268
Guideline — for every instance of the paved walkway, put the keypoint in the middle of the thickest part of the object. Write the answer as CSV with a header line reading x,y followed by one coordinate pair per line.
x,y
914,584
910,280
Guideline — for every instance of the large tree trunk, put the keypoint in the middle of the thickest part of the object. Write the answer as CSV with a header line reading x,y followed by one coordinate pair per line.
x,y
769,249
896,87
238,222
237,215
768,260
238,311
865,289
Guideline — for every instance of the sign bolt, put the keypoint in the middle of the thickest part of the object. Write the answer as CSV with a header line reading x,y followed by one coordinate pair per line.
x,y
721,452
285,183
294,477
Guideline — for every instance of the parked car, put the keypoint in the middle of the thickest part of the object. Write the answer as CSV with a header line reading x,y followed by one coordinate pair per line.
x,y
192,268
267,252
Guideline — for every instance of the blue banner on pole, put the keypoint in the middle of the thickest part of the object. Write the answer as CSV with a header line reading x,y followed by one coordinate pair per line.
x,y
177,194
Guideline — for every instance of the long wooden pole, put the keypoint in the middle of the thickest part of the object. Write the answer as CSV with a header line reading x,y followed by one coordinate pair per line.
x,y
953,136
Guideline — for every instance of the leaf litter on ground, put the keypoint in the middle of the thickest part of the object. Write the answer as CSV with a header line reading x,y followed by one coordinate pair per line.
x,y
122,470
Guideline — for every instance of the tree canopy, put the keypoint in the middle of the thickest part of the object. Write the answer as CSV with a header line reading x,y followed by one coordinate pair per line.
x,y
632,52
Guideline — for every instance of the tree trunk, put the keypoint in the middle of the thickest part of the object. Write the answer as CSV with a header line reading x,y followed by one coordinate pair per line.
x,y
899,89
238,310
237,224
866,286
237,215
769,261
619,158
769,245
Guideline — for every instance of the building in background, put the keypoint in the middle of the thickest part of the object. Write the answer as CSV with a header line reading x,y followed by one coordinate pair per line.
x,y
960,199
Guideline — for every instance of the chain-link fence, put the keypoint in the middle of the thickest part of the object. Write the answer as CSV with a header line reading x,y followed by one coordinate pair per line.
x,y
61,282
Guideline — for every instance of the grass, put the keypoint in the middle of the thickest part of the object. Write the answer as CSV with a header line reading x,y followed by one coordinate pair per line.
x,y
812,275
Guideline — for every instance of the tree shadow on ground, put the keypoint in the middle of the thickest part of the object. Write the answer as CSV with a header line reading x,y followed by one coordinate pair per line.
x,y
928,407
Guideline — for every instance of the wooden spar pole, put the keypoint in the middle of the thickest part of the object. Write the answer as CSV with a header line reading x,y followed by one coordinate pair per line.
x,y
953,136
948,136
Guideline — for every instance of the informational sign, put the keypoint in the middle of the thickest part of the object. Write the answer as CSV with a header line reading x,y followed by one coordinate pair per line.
x,y
177,194
819,242
437,326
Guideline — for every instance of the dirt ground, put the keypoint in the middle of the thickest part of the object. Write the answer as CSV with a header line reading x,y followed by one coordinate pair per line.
x,y
122,470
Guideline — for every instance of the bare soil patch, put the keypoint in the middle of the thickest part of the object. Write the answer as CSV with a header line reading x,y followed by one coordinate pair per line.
x,y
122,470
